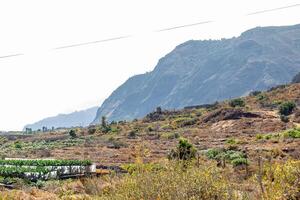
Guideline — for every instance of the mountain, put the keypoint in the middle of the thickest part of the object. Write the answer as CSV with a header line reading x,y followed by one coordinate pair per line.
x,y
296,78
78,118
198,72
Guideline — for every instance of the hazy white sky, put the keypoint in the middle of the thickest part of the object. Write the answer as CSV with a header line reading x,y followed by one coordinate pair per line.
x,y
44,82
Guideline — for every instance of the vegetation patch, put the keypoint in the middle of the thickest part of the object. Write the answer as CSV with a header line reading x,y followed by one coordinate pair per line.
x,y
237,103
291,133
286,108
170,136
42,163
184,151
184,121
235,157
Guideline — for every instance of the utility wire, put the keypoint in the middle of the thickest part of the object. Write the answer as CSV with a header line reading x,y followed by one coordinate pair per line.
x,y
159,30
93,42
273,9
12,55
183,26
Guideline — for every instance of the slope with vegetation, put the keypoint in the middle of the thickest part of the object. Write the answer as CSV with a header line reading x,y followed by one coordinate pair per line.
x,y
245,148
198,72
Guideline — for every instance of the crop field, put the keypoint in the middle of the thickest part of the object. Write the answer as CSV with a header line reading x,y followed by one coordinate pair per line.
x,y
33,170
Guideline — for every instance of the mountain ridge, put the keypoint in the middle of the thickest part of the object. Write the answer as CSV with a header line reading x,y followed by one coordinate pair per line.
x,y
74,119
204,71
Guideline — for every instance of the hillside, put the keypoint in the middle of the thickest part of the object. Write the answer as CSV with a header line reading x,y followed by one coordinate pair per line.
x,y
74,119
198,72
231,139
207,128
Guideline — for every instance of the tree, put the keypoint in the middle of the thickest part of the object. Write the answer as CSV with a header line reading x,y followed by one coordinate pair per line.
x,y
159,110
72,133
286,108
103,122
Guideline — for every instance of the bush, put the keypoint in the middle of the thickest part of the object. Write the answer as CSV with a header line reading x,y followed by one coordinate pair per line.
x,y
293,133
184,121
239,161
115,143
203,182
213,153
261,97
150,128
72,133
284,118
259,136
184,151
170,135
237,102
92,130
231,141
132,133
235,157
254,93
281,180
286,108
18,145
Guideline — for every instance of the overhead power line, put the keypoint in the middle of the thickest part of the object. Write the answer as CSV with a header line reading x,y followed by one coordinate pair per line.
x,y
159,30
273,9
93,42
12,55
183,26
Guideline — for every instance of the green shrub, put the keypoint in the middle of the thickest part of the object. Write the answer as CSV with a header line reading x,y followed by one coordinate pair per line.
x,y
92,130
231,141
239,161
293,133
170,135
286,108
72,133
261,97
166,127
184,151
284,118
237,102
40,184
184,121
259,136
18,145
231,155
174,182
267,137
115,143
132,133
138,168
150,128
254,93
213,153
114,129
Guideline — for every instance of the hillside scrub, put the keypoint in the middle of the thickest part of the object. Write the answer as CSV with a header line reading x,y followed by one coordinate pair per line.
x,y
184,151
237,103
172,182
286,108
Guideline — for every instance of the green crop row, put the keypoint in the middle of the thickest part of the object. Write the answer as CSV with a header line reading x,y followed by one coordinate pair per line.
x,y
46,162
15,171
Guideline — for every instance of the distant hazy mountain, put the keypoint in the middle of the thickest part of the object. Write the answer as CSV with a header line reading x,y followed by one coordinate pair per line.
x,y
78,118
296,78
198,72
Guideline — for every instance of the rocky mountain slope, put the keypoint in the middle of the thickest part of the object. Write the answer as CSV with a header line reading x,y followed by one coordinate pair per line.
x,y
198,72
78,118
